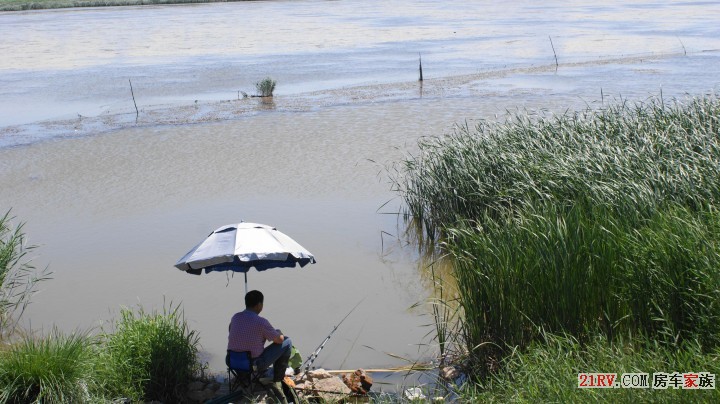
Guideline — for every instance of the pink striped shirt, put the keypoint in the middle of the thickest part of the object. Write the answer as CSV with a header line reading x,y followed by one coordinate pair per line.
x,y
249,331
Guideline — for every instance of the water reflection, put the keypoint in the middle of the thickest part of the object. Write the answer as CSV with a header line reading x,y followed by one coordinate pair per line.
x,y
267,103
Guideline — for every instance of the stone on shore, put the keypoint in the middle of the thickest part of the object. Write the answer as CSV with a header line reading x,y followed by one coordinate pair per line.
x,y
321,384
318,374
331,389
449,373
199,391
359,382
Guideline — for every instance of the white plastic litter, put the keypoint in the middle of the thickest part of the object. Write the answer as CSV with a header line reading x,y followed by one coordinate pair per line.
x,y
414,393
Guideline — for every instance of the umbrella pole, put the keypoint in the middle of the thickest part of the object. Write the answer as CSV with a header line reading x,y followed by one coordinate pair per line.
x,y
246,282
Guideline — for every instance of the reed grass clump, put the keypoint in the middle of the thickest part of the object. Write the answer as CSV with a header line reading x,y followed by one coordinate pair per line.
x,y
587,223
633,158
265,87
150,356
18,277
587,271
53,369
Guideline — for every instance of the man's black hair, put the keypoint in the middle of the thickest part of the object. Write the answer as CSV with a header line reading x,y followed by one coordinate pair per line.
x,y
253,297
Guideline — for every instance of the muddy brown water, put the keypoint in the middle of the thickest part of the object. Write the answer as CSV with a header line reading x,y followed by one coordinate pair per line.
x,y
114,202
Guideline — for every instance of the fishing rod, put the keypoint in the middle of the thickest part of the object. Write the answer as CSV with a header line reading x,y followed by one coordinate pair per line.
x,y
309,361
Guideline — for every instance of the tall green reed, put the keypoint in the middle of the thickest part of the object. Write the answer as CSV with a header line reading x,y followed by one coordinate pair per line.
x,y
150,356
630,157
671,282
446,312
18,277
581,222
588,271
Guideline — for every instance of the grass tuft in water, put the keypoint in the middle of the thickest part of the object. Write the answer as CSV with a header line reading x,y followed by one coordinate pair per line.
x,y
266,87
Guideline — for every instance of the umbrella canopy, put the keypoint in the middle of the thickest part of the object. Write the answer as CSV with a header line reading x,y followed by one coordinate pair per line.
x,y
237,247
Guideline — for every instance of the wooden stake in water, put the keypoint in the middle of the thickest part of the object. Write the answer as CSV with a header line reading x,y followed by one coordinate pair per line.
x,y
554,53
420,59
683,46
137,113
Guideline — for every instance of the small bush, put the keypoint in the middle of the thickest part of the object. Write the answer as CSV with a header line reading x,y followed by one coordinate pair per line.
x,y
265,87
53,369
150,356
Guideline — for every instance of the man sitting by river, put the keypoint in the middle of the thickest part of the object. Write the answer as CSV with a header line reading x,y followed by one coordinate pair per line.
x,y
249,331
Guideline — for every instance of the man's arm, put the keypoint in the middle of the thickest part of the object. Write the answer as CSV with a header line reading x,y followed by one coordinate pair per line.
x,y
273,334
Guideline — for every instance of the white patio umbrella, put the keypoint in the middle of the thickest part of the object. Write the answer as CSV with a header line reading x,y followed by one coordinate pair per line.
x,y
238,247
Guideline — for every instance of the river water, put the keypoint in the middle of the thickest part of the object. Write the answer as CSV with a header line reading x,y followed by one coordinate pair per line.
x,y
114,197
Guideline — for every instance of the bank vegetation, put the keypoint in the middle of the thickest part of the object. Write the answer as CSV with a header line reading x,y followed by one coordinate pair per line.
x,y
587,241
20,5
139,357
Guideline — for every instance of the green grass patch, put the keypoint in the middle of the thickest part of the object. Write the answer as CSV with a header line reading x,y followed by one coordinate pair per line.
x,y
54,369
150,356
547,372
